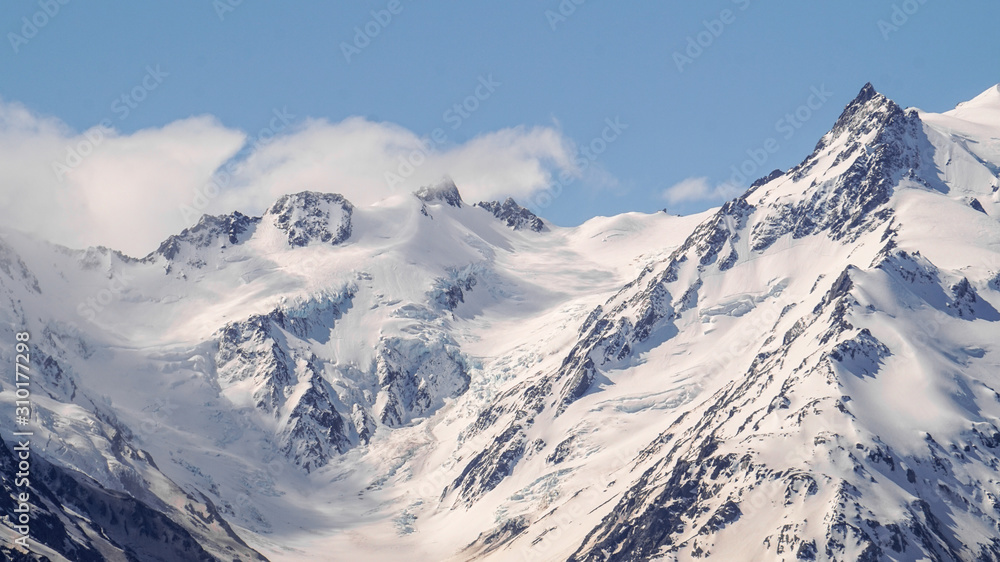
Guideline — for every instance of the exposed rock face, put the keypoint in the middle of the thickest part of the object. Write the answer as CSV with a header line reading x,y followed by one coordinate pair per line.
x,y
15,269
78,518
881,145
674,507
414,377
449,293
309,217
210,232
444,192
514,215
324,408
302,218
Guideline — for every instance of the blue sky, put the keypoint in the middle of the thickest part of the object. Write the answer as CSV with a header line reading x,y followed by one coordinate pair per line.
x,y
687,114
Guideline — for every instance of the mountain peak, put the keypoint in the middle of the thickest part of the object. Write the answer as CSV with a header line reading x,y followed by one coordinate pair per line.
x,y
209,231
514,215
866,121
304,200
309,216
989,98
983,109
844,185
444,191
866,106
303,217
867,92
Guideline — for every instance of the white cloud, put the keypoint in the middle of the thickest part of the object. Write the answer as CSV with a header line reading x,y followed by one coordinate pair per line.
x,y
99,187
366,162
699,189
130,191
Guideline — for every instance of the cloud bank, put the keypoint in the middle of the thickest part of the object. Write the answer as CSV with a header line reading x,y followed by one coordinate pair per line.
x,y
131,191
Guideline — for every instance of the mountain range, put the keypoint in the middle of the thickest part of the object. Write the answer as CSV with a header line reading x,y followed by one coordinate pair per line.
x,y
808,372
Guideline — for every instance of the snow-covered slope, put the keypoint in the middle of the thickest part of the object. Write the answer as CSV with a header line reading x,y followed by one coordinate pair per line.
x,y
807,372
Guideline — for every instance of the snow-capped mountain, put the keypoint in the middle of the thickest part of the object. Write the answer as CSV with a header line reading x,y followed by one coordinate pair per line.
x,y
809,372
